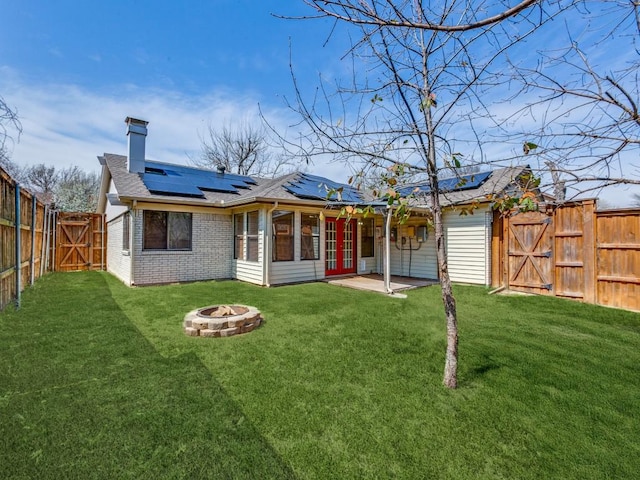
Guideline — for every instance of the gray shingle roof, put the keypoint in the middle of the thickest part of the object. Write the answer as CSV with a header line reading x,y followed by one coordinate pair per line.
x,y
501,180
131,187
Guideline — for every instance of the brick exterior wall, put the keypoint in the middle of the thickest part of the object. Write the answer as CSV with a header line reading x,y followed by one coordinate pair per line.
x,y
118,261
210,258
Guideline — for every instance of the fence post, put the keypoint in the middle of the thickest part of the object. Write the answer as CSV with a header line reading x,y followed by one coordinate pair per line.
x,y
32,259
44,233
102,246
589,250
54,263
505,250
18,252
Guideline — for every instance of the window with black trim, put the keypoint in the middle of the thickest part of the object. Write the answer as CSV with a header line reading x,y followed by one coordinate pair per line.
x,y
309,236
282,224
367,237
166,230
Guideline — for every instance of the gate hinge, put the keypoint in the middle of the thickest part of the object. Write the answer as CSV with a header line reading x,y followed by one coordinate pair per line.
x,y
548,286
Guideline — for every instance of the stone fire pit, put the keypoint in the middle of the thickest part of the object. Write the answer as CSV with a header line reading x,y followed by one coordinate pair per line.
x,y
221,320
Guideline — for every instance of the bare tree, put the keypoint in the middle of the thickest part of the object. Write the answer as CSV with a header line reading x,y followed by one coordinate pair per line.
x,y
582,99
15,171
243,149
423,77
43,180
8,121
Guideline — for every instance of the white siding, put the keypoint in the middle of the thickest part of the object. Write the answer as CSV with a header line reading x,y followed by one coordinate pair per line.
x,y
112,211
414,259
467,247
211,254
300,271
118,260
250,272
368,264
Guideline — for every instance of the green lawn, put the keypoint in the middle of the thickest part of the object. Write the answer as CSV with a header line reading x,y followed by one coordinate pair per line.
x,y
97,380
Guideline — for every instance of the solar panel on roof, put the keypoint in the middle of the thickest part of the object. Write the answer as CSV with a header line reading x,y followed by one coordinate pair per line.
x,y
168,185
454,184
317,188
187,181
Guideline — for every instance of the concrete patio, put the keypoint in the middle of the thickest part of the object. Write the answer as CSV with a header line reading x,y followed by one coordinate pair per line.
x,y
375,283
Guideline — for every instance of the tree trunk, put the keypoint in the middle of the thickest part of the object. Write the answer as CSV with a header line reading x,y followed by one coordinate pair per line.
x,y
450,379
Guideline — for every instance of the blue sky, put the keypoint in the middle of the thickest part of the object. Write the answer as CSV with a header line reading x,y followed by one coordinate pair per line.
x,y
74,70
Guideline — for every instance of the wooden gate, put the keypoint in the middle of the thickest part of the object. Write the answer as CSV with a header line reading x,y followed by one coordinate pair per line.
x,y
81,241
571,251
530,252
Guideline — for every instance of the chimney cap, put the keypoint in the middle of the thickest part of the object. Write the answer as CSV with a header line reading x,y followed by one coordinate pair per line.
x,y
221,168
135,121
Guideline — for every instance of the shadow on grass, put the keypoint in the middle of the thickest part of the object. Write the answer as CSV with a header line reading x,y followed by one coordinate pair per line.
x,y
84,395
480,370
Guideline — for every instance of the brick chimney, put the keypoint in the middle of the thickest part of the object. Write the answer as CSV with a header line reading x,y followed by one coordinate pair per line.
x,y
137,133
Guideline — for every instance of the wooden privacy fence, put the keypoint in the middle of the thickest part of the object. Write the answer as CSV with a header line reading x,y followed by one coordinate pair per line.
x,y
571,251
35,239
23,232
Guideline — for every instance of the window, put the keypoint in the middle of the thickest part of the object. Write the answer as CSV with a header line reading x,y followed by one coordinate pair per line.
x,y
166,231
238,231
367,236
126,231
309,236
282,236
246,228
253,219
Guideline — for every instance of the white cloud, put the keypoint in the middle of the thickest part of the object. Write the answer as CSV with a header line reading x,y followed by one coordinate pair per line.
x,y
66,125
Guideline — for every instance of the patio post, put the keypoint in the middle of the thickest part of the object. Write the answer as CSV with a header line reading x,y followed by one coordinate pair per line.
x,y
387,252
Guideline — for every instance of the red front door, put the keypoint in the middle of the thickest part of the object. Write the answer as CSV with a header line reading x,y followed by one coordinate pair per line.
x,y
340,246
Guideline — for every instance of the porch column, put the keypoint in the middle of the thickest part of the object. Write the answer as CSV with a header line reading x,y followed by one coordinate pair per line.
x,y
387,252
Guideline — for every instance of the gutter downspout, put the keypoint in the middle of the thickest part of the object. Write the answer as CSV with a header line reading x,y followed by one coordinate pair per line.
x,y
266,253
132,246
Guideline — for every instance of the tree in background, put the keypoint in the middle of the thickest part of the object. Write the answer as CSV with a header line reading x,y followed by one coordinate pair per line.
x,y
76,190
243,149
8,121
42,180
580,99
423,79
68,190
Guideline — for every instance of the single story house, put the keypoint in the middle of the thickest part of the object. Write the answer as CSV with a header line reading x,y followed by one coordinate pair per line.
x,y
171,223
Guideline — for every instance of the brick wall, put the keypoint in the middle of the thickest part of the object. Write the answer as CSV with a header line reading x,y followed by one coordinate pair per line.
x,y
118,261
211,254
